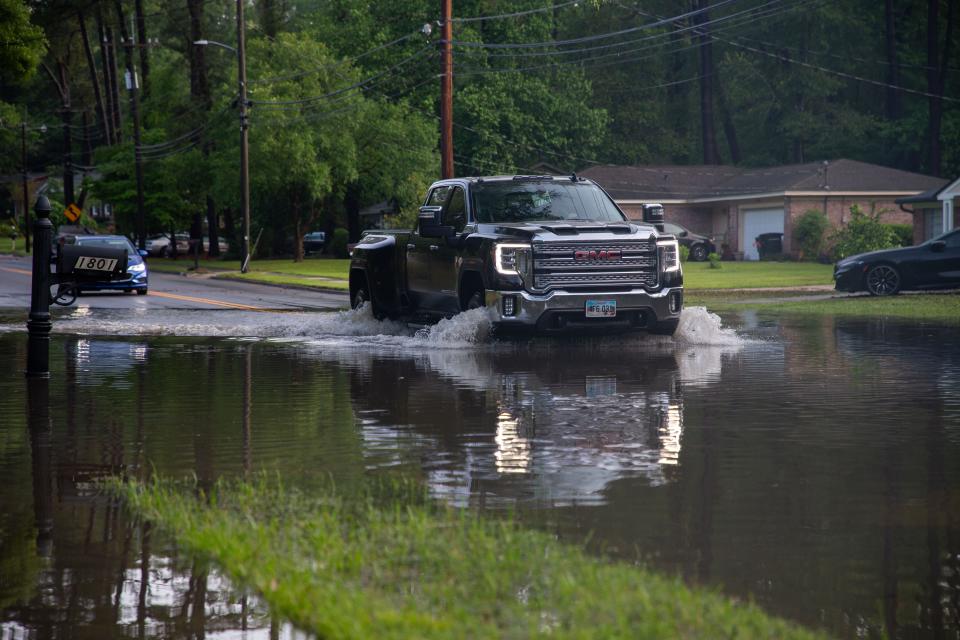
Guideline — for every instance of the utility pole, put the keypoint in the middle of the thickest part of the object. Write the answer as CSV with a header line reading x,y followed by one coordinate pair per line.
x,y
132,85
26,194
446,90
244,125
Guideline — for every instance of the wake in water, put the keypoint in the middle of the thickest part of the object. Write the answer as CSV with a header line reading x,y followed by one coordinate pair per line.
x,y
358,326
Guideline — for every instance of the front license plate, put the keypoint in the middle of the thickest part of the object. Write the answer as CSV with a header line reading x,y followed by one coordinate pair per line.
x,y
601,308
95,264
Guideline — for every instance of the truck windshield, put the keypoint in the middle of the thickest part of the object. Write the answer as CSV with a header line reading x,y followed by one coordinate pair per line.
x,y
509,201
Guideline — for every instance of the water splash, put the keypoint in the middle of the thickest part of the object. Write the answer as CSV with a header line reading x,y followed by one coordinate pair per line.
x,y
358,326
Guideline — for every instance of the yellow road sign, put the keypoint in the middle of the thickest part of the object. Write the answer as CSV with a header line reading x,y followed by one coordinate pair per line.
x,y
72,212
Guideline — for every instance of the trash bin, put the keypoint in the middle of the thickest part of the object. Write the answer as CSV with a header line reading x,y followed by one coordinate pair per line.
x,y
769,244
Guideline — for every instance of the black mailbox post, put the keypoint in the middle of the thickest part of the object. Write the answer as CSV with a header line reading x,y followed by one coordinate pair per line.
x,y
653,214
38,323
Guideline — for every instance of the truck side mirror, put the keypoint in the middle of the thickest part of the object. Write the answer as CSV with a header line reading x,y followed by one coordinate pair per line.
x,y
653,214
429,222
91,264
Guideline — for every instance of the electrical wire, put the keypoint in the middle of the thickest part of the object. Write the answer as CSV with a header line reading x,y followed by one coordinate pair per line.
x,y
759,12
413,56
840,74
515,14
593,38
333,65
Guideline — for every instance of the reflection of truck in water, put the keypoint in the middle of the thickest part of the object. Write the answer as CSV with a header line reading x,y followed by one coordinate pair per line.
x,y
542,252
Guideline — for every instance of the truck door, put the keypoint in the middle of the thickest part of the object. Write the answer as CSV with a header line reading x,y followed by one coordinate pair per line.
x,y
444,259
420,251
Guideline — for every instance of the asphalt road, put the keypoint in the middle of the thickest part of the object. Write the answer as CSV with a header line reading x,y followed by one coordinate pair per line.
x,y
169,291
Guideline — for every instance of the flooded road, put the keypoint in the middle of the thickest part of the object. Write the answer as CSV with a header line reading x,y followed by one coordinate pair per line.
x,y
811,465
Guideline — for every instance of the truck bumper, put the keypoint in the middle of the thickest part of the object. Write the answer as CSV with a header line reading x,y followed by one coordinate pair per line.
x,y
563,310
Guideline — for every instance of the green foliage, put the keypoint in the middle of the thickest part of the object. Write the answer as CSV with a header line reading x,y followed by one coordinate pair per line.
x,y
22,43
382,560
903,233
714,259
809,232
338,243
684,253
862,233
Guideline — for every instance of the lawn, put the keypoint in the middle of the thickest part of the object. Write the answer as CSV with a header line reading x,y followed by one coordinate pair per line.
x,y
941,308
321,273
385,561
755,275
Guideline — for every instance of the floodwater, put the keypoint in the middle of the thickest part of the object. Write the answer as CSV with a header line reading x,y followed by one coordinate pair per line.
x,y
809,465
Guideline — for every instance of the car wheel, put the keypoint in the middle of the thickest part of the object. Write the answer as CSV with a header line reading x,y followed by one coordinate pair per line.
x,y
141,292
883,280
665,327
476,300
698,253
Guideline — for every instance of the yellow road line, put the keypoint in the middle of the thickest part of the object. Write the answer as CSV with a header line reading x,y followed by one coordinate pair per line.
x,y
20,271
219,303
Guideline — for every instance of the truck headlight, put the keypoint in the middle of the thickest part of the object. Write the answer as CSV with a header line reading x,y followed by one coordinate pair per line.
x,y
514,259
669,255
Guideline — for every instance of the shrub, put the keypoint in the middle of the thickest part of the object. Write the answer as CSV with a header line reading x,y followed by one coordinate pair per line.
x,y
864,232
338,243
903,233
809,232
684,253
714,259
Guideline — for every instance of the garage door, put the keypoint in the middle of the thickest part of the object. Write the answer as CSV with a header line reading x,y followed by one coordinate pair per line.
x,y
755,222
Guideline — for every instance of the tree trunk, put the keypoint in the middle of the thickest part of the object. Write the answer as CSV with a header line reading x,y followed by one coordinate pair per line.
x,y
729,129
111,114
708,133
230,228
893,68
352,204
269,18
213,230
94,80
142,41
297,229
115,81
199,87
935,101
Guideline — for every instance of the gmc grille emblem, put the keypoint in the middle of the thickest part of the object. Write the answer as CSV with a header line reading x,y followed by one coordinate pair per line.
x,y
583,255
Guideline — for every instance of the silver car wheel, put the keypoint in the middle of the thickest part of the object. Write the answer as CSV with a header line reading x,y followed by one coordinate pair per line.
x,y
883,280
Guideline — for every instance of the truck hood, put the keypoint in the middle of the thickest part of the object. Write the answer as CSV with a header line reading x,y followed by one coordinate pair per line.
x,y
565,231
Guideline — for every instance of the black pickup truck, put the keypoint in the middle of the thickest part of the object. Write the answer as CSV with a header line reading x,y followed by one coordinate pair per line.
x,y
543,252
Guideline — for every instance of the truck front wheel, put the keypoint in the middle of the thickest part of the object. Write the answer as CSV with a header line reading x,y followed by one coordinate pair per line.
x,y
665,327
476,300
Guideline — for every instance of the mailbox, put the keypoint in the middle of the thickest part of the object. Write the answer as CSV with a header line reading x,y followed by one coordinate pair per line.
x,y
78,263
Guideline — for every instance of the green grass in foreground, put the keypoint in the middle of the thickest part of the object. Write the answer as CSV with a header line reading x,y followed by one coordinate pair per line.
x,y
935,307
388,563
749,275
323,273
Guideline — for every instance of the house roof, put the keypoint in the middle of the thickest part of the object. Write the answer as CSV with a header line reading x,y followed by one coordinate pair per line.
x,y
705,182
930,195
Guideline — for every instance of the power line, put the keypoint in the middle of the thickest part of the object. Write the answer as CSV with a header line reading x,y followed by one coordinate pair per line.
x,y
337,64
593,38
622,57
760,11
840,74
269,103
515,14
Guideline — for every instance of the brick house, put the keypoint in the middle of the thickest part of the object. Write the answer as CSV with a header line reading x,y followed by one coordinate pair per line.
x,y
934,211
735,205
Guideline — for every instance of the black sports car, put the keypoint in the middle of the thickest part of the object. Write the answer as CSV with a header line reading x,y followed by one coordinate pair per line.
x,y
935,264
700,246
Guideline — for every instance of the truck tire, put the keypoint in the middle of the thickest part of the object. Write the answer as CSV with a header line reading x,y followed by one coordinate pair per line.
x,y
476,300
665,327
361,296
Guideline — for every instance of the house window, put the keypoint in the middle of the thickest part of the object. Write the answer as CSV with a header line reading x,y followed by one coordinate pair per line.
x,y
932,223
